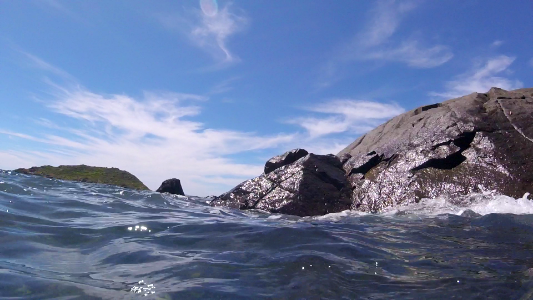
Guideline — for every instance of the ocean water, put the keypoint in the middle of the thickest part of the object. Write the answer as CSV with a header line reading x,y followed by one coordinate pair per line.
x,y
67,240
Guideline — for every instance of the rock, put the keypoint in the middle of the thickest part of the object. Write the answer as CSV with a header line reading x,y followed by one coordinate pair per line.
x,y
312,185
281,160
470,214
83,173
470,144
171,186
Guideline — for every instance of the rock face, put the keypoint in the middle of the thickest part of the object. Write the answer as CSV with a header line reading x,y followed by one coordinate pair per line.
x,y
281,160
83,173
171,186
470,144
312,185
475,143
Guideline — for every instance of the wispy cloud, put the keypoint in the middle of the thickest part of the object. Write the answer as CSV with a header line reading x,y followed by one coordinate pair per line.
x,y
45,66
152,137
385,19
157,136
377,41
346,115
496,44
412,54
223,86
481,78
210,30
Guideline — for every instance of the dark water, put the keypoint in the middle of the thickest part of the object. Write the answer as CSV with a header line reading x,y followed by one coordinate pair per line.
x,y
66,240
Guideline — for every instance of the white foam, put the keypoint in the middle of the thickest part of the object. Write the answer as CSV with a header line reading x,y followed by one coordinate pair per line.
x,y
143,288
340,215
482,203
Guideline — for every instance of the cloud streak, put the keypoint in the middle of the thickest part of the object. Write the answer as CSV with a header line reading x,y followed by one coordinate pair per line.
x,y
377,41
152,137
346,115
157,136
210,31
481,78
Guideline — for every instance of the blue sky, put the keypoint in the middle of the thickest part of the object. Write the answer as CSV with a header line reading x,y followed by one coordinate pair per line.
x,y
207,91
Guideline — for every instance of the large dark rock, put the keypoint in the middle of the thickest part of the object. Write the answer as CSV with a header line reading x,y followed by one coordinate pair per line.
x,y
312,185
286,158
171,186
475,143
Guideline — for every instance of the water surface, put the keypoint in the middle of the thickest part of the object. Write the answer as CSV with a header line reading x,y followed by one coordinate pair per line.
x,y
68,240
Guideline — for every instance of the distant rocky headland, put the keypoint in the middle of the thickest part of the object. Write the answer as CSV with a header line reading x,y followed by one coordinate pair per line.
x,y
83,173
476,143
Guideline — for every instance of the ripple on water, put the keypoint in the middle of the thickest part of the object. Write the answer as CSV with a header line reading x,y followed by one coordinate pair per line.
x,y
88,241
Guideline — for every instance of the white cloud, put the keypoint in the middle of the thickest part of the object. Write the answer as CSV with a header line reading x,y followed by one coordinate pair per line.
x,y
151,137
155,137
496,43
210,31
412,54
386,17
346,115
378,41
374,42
45,66
481,79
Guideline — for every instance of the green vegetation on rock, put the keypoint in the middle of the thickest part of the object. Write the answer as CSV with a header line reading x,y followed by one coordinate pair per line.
x,y
83,173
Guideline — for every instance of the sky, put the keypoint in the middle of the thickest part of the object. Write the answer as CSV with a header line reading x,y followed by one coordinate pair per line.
x,y
206,91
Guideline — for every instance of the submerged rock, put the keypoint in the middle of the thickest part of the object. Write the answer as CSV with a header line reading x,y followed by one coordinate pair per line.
x,y
171,186
83,173
312,185
470,144
475,143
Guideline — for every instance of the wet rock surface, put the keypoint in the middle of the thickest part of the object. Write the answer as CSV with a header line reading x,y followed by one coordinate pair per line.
x,y
171,186
312,185
476,143
281,160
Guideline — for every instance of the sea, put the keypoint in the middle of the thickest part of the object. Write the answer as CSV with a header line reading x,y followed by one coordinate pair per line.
x,y
70,240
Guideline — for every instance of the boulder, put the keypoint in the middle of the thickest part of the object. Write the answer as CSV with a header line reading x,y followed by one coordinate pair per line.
x,y
476,143
312,185
281,160
171,186
479,142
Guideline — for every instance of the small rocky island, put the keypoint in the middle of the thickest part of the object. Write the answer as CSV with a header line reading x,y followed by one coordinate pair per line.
x,y
83,173
475,143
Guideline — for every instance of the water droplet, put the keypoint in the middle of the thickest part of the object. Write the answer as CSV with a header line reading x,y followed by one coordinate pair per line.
x,y
303,268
